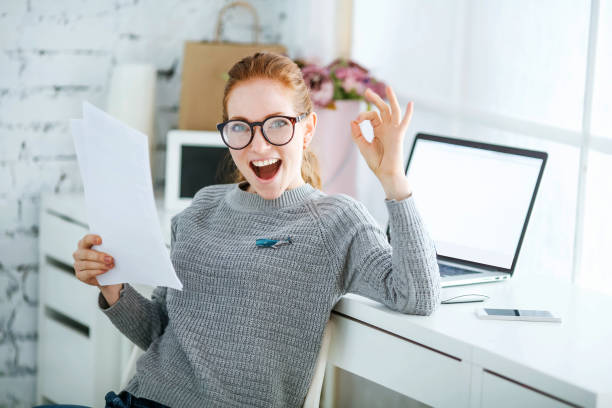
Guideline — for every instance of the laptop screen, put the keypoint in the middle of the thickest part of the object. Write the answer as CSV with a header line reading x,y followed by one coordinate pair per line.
x,y
474,198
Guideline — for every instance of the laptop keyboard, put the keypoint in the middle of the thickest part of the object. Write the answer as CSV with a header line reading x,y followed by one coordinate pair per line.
x,y
446,270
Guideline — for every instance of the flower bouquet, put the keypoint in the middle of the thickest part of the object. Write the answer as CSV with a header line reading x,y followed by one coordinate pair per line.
x,y
341,80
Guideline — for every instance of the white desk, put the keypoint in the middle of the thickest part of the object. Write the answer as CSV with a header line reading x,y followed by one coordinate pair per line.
x,y
450,358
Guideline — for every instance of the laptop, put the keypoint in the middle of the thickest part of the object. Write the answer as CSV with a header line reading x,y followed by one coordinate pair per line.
x,y
475,200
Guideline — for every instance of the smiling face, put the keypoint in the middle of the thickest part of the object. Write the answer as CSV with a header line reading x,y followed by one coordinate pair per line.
x,y
269,169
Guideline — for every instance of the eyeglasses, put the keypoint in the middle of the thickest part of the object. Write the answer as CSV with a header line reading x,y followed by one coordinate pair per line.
x,y
277,130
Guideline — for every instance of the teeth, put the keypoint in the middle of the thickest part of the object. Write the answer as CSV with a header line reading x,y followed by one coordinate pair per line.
x,y
261,163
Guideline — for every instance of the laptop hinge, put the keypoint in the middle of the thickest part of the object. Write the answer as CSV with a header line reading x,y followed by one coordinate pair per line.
x,y
467,267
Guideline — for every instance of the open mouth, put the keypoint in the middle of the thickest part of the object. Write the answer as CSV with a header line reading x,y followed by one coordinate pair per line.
x,y
265,169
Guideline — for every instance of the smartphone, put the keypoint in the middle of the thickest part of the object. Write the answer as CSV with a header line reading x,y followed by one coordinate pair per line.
x,y
517,314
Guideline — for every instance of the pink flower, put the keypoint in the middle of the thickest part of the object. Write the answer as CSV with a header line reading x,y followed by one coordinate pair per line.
x,y
353,83
318,81
324,95
352,79
351,72
377,86
342,63
312,71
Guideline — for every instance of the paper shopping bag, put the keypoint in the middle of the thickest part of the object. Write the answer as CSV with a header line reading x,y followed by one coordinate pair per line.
x,y
205,67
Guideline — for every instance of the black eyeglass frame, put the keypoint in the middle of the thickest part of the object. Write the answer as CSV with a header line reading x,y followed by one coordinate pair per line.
x,y
292,119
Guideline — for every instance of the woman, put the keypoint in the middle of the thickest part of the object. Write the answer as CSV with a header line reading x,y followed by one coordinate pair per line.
x,y
263,261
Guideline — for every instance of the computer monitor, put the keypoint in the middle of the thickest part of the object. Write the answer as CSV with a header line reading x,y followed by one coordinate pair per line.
x,y
194,159
474,198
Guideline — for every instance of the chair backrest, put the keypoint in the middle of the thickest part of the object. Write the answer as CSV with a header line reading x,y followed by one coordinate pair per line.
x,y
314,391
130,367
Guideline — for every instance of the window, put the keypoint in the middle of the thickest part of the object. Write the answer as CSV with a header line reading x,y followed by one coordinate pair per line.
x,y
513,73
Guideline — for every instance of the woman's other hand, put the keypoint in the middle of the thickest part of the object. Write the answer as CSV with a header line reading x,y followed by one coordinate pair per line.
x,y
384,154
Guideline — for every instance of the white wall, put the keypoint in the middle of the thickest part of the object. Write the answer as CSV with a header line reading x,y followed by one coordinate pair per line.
x,y
53,55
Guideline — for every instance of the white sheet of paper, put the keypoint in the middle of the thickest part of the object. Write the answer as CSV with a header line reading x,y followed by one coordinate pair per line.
x,y
114,163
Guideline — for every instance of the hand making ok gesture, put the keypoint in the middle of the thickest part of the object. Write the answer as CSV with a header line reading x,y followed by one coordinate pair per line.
x,y
384,154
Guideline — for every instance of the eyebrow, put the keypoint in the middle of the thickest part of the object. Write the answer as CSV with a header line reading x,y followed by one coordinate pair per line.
x,y
245,119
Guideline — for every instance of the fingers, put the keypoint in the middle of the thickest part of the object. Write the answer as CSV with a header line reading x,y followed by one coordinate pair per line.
x,y
89,265
384,109
88,262
84,252
356,133
406,120
92,265
363,145
92,255
90,240
84,270
396,112
88,275
372,116
93,281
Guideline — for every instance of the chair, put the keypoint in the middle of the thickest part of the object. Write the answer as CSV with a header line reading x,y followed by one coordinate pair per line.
x,y
314,391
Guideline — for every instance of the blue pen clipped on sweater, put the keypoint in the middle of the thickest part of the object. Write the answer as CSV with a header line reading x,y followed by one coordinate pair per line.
x,y
272,243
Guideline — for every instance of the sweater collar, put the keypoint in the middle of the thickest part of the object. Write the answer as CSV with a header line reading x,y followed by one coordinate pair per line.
x,y
244,200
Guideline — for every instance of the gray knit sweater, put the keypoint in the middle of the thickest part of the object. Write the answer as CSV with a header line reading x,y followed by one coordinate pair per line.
x,y
247,326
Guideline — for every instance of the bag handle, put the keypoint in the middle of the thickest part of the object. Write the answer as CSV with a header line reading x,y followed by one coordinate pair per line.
x,y
244,4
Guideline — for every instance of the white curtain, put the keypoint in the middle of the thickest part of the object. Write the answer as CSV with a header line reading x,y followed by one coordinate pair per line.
x,y
311,30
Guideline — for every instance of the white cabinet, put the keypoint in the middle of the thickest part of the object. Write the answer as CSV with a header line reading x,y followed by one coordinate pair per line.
x,y
80,353
64,378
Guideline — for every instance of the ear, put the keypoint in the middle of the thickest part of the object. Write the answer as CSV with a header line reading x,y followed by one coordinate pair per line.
x,y
311,125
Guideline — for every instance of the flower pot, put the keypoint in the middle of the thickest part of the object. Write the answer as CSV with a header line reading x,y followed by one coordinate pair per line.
x,y
337,153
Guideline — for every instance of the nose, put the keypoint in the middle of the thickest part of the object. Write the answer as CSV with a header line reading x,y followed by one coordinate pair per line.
x,y
259,143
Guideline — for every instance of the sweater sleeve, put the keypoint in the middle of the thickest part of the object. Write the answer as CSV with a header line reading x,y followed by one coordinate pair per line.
x,y
141,320
403,275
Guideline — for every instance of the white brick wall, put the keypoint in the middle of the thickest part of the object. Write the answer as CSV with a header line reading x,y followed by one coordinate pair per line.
x,y
53,55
